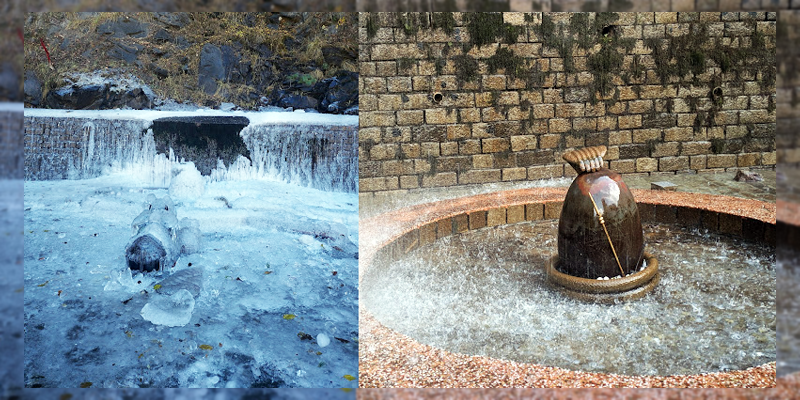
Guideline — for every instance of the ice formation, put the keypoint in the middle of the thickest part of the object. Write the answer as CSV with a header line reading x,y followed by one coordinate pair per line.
x,y
186,182
169,310
296,148
158,239
90,311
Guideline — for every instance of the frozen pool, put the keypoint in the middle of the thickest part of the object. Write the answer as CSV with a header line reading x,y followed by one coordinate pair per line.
x,y
271,298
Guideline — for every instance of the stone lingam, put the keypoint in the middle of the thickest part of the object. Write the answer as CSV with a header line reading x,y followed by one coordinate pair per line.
x,y
601,253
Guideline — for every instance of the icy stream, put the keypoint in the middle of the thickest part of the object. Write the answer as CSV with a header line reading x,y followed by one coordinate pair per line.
x,y
485,293
269,300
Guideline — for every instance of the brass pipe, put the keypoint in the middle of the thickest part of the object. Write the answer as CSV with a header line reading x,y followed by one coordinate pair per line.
x,y
603,224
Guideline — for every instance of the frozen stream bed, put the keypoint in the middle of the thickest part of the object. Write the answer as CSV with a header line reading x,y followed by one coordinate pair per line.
x,y
276,300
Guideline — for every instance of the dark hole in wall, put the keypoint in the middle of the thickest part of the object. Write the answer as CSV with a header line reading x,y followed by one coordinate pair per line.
x,y
201,140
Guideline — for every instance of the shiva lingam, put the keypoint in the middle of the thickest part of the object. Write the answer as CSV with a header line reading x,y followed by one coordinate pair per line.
x,y
601,253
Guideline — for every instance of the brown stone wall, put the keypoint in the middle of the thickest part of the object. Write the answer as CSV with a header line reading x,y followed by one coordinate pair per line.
x,y
442,105
11,144
577,5
788,82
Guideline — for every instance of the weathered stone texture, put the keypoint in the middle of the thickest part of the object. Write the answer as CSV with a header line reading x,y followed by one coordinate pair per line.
x,y
497,123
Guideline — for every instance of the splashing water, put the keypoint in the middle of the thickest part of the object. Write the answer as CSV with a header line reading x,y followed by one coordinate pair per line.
x,y
485,293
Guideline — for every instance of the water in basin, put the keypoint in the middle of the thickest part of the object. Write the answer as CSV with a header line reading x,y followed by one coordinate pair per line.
x,y
485,293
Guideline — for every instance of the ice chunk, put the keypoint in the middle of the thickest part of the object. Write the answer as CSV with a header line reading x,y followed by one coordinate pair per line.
x,y
323,340
187,183
156,244
189,236
190,279
175,310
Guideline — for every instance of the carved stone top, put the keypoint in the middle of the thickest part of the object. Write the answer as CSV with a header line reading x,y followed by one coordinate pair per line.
x,y
588,159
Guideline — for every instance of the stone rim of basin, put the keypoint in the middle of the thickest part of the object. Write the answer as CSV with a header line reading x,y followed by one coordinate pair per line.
x,y
397,231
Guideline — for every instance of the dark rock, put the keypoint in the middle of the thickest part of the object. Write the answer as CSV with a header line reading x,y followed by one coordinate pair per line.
x,y
175,19
162,36
251,19
341,93
334,56
230,61
746,176
127,53
298,102
96,97
123,26
264,51
160,72
211,68
182,42
158,52
9,82
291,43
293,17
33,89
65,43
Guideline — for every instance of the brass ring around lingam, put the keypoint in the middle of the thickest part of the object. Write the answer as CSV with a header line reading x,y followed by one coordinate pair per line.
x,y
629,287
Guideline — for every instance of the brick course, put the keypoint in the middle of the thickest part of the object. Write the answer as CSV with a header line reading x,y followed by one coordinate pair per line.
x,y
508,128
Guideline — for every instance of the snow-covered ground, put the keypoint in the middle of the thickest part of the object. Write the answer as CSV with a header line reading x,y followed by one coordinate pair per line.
x,y
275,280
11,287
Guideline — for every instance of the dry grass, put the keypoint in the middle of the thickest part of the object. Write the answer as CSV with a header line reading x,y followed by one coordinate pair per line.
x,y
247,34
188,5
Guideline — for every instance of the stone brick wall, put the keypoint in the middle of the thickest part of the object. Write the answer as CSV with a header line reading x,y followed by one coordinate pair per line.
x,y
55,147
459,98
11,143
788,90
578,5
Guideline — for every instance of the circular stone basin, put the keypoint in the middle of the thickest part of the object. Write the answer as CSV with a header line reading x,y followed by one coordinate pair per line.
x,y
485,292
472,281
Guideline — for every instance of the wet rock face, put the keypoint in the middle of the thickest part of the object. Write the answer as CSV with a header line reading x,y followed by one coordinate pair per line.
x,y
583,246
